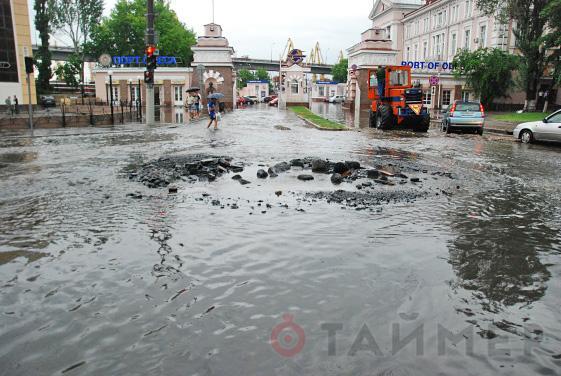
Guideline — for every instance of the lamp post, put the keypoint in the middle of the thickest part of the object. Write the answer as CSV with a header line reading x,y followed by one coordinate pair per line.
x,y
82,83
110,73
139,99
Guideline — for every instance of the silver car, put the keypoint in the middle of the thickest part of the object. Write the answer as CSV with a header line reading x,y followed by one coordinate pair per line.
x,y
464,115
548,129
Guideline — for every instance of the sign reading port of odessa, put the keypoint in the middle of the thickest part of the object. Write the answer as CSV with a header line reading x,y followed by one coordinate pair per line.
x,y
428,64
127,60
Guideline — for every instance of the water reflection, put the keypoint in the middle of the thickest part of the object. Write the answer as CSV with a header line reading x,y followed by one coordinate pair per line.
x,y
496,252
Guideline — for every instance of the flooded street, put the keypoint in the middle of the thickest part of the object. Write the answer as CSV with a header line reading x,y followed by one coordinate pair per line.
x,y
456,274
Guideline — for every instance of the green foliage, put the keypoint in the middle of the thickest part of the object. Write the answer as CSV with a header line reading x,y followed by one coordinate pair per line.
x,y
122,32
43,55
70,71
553,38
245,75
339,71
488,71
262,74
529,29
514,117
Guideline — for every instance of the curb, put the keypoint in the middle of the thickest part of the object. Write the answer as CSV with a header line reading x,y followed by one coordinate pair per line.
x,y
309,122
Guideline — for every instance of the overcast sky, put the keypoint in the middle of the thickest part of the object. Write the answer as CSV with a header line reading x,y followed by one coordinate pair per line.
x,y
257,27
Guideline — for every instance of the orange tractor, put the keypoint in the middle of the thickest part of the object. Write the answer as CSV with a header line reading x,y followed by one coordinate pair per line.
x,y
395,102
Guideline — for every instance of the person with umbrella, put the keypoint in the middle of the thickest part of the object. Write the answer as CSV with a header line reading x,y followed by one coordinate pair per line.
x,y
192,102
212,108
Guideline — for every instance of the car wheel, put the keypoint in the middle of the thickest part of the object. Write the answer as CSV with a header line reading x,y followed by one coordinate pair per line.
x,y
526,136
448,129
480,131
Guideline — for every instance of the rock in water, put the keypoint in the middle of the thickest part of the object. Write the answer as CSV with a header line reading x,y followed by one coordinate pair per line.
x,y
352,165
236,177
262,174
336,178
373,174
244,182
305,177
340,168
297,162
320,165
281,167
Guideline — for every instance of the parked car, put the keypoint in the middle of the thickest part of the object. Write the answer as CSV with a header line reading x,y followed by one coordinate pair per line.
x,y
47,101
253,98
274,102
548,129
249,100
269,98
462,115
337,99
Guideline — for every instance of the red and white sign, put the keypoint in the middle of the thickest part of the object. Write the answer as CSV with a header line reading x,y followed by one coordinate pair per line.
x,y
433,80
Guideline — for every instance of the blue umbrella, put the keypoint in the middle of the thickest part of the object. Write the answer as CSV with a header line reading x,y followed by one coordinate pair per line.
x,y
216,96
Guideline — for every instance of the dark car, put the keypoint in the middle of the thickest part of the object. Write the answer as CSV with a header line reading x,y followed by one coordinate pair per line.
x,y
249,100
47,101
465,116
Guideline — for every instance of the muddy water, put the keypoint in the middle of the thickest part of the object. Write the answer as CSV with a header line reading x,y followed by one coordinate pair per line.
x,y
95,282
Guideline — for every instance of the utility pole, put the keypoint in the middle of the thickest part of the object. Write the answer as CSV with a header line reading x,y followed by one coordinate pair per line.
x,y
29,72
150,84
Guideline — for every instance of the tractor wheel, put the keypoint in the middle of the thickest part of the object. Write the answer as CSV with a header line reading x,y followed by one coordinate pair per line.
x,y
384,119
424,126
372,119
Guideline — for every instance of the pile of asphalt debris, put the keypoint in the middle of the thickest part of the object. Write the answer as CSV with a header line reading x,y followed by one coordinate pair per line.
x,y
165,170
373,185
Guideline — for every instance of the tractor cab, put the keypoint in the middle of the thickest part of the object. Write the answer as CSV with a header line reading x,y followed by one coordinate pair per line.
x,y
394,101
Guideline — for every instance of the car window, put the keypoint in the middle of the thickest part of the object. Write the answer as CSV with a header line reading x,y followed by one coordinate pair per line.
x,y
555,118
467,106
373,79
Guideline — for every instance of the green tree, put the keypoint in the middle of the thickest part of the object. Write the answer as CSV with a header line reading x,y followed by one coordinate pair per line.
x,y
76,19
488,71
553,38
43,55
262,74
70,72
339,70
529,28
122,32
245,75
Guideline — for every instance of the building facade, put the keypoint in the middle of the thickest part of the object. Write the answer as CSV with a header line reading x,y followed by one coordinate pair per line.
x,y
15,45
426,35
256,88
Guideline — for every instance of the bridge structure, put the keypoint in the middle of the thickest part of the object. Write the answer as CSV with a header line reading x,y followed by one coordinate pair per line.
x,y
62,53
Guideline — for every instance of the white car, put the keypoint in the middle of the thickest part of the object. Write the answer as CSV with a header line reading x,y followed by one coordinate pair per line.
x,y
337,99
548,129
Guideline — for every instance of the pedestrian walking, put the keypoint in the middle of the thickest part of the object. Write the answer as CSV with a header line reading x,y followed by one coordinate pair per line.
x,y
212,113
381,77
198,104
191,106
16,105
9,109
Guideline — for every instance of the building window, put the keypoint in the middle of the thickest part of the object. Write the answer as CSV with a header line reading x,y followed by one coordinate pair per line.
x,y
465,96
483,36
467,39
439,20
427,98
446,95
408,54
453,44
417,27
425,49
115,94
469,7
179,117
294,87
178,93
134,93
415,52
321,91
426,24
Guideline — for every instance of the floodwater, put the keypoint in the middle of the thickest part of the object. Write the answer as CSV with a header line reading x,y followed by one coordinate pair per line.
x,y
94,282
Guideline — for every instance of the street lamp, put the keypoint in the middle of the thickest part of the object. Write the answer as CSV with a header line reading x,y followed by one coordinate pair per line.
x,y
82,84
139,99
110,73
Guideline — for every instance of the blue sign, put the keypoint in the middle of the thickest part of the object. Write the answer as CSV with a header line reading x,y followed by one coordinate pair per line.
x,y
327,82
428,64
258,82
129,60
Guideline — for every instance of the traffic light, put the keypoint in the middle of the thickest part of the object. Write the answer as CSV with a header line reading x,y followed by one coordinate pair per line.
x,y
28,64
151,57
149,77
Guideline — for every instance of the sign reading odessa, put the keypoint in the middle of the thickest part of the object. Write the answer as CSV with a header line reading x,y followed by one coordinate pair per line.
x,y
127,60
428,64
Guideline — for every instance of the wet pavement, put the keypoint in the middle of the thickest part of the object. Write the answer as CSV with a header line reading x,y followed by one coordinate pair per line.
x,y
457,273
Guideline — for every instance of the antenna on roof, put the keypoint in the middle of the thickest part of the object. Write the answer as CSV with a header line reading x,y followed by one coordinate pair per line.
x,y
212,11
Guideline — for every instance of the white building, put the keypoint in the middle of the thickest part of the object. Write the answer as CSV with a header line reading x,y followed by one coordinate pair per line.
x,y
426,36
256,88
